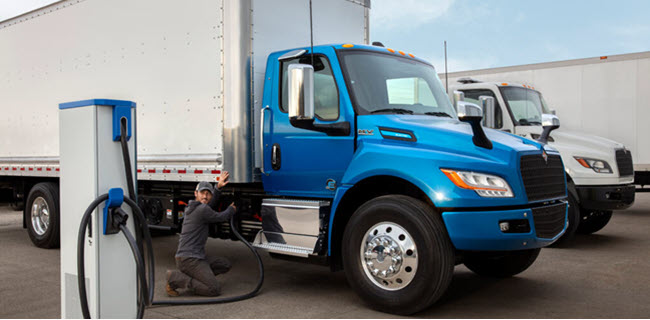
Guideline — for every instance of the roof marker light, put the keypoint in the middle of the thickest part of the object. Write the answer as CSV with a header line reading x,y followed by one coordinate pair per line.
x,y
411,55
347,45
402,53
504,84
390,50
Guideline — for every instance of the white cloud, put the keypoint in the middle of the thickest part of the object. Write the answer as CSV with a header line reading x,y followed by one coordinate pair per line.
x,y
387,14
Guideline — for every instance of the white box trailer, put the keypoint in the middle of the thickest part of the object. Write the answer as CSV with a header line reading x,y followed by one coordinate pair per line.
x,y
605,96
194,68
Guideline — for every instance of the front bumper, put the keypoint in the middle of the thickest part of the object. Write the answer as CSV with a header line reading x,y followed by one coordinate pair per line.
x,y
480,230
614,197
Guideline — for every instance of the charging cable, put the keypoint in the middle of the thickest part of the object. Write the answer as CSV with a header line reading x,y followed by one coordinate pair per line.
x,y
115,219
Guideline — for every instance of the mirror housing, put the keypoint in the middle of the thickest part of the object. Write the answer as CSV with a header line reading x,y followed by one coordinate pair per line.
x,y
489,112
457,96
473,114
301,102
467,110
550,122
301,92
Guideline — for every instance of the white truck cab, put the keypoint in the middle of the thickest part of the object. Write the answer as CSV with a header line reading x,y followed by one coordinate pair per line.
x,y
599,171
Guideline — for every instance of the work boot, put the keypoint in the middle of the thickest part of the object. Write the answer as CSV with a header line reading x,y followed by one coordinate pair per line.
x,y
170,290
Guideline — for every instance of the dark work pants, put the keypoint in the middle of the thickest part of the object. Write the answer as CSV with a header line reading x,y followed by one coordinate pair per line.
x,y
198,275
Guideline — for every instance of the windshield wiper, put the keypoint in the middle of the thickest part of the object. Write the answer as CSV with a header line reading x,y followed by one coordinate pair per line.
x,y
439,114
395,110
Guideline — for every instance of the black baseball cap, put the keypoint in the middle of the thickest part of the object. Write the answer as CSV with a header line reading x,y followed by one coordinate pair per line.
x,y
204,185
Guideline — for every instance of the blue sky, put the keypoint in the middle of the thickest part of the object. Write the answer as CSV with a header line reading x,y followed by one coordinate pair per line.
x,y
495,33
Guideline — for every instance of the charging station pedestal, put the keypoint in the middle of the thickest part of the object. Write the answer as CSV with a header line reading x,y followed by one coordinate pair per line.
x,y
91,163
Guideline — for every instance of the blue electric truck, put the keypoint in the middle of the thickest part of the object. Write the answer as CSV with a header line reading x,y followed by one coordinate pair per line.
x,y
346,155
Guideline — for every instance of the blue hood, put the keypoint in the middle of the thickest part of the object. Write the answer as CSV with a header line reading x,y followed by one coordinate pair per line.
x,y
450,135
416,147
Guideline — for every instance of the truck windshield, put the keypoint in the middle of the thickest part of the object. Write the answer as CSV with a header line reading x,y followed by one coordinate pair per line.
x,y
526,105
381,83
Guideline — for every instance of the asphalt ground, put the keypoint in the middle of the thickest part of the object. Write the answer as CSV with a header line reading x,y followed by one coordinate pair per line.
x,y
604,275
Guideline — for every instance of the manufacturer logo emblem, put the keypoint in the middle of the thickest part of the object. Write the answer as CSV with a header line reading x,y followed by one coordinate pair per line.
x,y
330,184
364,132
545,156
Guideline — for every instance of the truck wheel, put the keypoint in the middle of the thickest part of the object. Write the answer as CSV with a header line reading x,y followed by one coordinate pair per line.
x,y
397,255
592,221
42,213
573,217
500,264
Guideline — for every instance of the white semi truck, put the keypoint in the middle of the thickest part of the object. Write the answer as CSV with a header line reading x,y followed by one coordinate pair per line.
x,y
599,171
604,96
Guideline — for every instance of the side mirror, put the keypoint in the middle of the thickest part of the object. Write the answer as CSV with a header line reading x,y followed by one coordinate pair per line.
x,y
301,92
301,103
550,122
467,110
473,114
458,96
489,112
553,112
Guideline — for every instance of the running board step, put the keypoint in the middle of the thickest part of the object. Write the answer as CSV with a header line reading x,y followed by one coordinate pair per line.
x,y
282,248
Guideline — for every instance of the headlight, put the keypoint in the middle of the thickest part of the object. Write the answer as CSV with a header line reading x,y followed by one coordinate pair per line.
x,y
485,185
599,166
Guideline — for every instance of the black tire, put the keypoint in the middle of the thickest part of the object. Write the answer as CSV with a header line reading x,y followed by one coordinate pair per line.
x,y
434,255
573,217
43,235
592,221
500,264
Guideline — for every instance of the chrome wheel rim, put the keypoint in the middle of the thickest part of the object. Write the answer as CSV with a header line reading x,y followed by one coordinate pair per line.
x,y
40,216
389,256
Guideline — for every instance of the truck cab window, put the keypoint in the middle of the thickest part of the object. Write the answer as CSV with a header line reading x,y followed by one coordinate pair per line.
x,y
473,97
326,95
525,105
410,91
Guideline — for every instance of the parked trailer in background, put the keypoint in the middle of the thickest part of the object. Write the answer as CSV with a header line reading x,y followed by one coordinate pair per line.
x,y
329,162
605,96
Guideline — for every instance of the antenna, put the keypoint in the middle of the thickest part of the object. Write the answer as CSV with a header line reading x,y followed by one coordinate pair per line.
x,y
446,77
311,33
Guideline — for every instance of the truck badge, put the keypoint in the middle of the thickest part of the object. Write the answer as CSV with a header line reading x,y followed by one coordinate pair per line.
x,y
330,184
364,132
545,156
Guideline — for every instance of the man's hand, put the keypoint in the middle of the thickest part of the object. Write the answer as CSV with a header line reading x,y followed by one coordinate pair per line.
x,y
233,205
223,179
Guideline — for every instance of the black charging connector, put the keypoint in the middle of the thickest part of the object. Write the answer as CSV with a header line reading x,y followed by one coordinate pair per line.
x,y
116,217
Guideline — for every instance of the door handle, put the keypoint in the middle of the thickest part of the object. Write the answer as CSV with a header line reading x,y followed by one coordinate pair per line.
x,y
262,119
276,157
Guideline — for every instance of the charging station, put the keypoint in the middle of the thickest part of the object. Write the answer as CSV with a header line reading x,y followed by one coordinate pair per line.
x,y
92,163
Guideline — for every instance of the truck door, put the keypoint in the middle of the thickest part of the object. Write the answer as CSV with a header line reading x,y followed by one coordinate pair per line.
x,y
300,162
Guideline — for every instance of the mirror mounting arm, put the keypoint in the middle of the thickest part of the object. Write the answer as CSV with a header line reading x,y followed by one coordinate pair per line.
x,y
479,138
543,139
